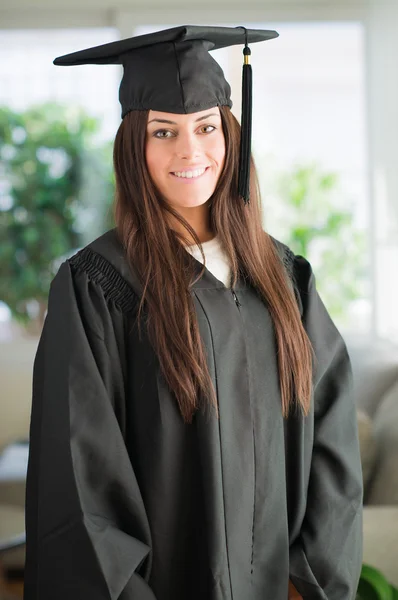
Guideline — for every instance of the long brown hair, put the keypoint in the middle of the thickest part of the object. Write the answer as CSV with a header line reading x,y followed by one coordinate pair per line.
x,y
156,253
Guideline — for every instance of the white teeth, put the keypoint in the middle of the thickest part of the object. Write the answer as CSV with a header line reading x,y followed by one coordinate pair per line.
x,y
190,174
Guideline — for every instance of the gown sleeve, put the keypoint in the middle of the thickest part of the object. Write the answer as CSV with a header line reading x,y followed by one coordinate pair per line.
x,y
85,519
326,557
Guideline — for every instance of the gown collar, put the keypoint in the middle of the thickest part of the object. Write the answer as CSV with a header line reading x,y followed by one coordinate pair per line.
x,y
210,281
110,248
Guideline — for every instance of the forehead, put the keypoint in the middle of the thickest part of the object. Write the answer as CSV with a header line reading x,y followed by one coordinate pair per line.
x,y
182,118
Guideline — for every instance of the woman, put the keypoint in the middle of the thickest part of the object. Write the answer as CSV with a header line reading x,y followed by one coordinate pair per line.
x,y
193,433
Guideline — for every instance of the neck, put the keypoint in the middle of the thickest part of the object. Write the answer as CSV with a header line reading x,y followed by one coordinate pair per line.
x,y
199,219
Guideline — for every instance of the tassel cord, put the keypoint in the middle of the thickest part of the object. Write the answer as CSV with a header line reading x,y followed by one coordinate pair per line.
x,y
246,126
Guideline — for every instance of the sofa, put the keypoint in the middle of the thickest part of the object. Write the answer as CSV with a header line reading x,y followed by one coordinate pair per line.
x,y
375,369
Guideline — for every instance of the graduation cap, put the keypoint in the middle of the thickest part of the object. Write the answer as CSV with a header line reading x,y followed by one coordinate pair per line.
x,y
172,71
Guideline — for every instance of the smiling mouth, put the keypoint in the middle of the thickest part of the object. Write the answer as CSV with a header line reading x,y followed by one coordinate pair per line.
x,y
190,177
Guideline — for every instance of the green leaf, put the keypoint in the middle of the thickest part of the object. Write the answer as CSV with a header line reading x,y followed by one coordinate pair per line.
x,y
394,593
373,585
315,223
43,152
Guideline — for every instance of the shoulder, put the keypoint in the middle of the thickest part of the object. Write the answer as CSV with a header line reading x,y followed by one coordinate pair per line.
x,y
285,254
299,272
104,262
106,249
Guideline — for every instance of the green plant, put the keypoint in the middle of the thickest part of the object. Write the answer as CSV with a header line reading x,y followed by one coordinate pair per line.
x,y
314,224
374,586
46,157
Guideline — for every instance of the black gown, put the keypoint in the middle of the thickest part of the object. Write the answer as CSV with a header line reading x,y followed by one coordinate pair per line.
x,y
126,501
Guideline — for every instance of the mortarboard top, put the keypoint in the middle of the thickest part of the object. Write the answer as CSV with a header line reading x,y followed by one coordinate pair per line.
x,y
172,71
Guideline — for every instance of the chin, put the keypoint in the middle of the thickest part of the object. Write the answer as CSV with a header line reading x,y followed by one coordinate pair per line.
x,y
189,200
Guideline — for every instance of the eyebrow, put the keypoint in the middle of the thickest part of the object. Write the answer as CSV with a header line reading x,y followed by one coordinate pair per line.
x,y
174,123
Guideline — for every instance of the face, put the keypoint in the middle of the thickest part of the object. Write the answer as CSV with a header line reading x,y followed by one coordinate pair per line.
x,y
185,155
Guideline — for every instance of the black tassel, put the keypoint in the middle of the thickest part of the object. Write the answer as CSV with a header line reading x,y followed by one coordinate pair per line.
x,y
246,128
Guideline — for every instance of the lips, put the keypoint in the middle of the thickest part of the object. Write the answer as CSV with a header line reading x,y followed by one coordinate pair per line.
x,y
190,179
191,168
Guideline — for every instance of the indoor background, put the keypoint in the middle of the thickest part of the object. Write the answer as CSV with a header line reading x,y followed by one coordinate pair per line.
x,y
325,143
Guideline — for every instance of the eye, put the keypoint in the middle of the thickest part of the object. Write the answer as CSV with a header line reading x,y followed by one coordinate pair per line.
x,y
207,127
162,131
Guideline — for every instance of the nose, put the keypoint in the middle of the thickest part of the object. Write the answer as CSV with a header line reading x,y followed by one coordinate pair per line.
x,y
187,146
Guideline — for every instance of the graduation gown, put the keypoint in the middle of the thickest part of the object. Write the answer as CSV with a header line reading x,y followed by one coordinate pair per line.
x,y
125,501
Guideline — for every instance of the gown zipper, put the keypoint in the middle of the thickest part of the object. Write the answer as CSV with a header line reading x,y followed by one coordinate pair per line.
x,y
238,304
